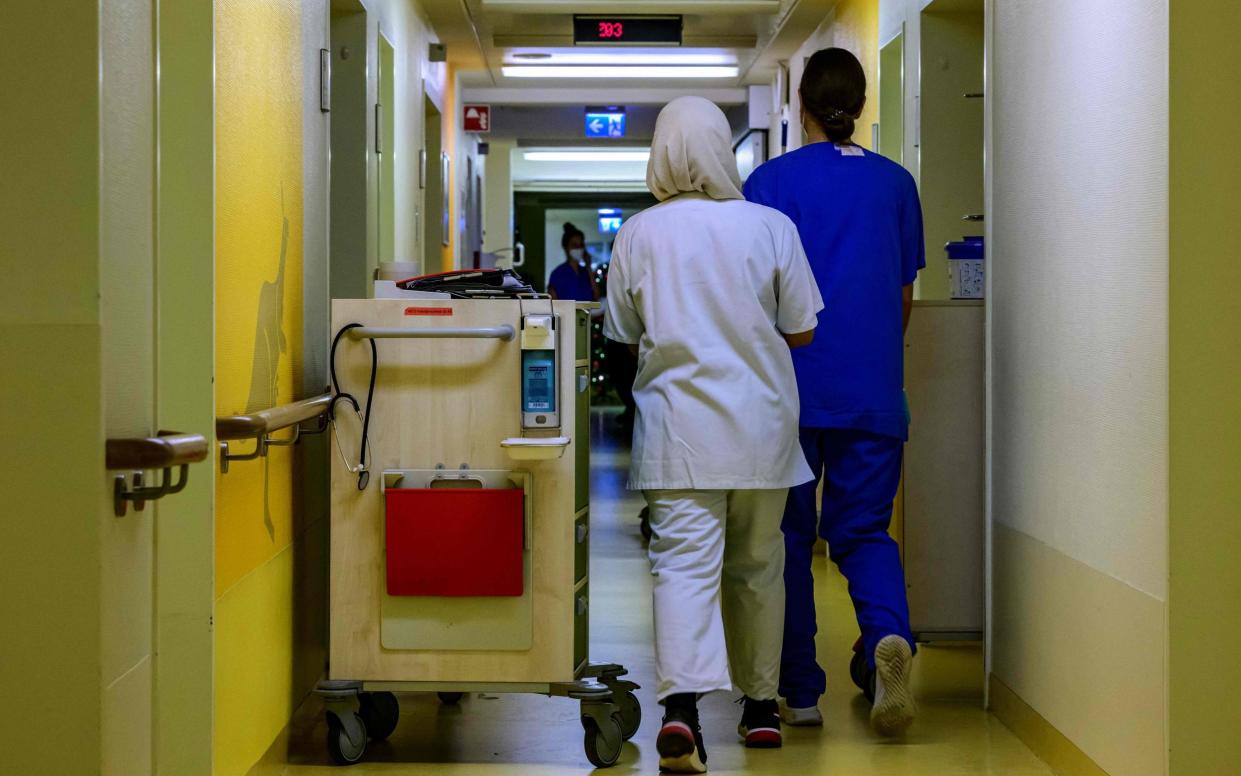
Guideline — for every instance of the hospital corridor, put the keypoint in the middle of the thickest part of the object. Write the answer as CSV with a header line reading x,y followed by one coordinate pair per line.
x,y
488,733
556,387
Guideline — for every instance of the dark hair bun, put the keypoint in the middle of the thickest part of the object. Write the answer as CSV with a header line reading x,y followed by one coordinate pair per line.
x,y
570,231
833,91
837,126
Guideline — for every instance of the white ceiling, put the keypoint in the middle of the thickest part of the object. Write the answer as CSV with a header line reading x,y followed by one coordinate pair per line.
x,y
484,35
633,6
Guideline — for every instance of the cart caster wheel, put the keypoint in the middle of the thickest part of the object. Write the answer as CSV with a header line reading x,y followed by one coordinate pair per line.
x,y
630,714
450,698
645,526
862,676
857,670
603,740
346,739
380,713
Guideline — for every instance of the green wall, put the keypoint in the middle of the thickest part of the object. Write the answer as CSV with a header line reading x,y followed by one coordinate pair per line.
x,y
51,416
1205,389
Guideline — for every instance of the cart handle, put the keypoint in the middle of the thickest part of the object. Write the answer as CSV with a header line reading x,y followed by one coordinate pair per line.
x,y
504,332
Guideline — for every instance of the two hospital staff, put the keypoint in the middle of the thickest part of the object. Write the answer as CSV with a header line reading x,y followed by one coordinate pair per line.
x,y
721,298
712,291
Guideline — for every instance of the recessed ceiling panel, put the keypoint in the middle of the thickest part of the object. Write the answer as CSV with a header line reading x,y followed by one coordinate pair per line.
x,y
633,6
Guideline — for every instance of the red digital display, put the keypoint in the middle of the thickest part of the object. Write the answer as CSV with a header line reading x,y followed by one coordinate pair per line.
x,y
612,30
627,30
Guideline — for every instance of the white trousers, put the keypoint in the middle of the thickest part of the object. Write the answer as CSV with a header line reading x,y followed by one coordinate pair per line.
x,y
718,561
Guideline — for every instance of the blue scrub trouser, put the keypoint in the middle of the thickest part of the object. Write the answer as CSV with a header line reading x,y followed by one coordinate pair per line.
x,y
861,472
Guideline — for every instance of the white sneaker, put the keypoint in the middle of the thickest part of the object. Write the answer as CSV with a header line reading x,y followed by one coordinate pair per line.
x,y
808,717
894,707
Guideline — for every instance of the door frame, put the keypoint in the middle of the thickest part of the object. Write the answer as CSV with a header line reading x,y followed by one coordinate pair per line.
x,y
988,184
185,347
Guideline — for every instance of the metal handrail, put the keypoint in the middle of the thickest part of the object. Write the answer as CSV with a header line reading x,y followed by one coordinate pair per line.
x,y
136,455
264,422
504,332
260,426
158,452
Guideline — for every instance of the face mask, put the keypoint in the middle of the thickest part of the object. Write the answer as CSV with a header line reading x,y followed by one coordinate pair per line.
x,y
577,254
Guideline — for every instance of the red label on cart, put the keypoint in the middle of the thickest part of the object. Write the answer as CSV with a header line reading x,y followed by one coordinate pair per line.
x,y
428,311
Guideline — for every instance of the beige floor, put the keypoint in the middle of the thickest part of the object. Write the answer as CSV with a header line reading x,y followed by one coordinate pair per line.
x,y
512,734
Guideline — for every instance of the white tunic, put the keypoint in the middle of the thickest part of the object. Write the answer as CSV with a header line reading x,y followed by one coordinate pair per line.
x,y
705,287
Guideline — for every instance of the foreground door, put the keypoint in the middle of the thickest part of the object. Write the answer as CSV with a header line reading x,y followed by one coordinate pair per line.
x,y
156,354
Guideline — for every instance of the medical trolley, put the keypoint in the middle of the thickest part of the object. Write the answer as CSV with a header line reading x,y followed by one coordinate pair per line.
x,y
460,514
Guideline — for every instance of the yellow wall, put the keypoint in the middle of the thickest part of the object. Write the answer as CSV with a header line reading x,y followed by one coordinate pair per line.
x,y
1205,383
450,145
852,25
857,29
258,361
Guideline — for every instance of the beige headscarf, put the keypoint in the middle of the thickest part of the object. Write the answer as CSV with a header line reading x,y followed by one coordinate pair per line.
x,y
692,151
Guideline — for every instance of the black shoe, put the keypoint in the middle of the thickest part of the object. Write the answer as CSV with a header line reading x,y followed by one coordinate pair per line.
x,y
680,738
760,724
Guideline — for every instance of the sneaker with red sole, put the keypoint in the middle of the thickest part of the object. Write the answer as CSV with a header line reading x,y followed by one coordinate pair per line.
x,y
679,743
760,724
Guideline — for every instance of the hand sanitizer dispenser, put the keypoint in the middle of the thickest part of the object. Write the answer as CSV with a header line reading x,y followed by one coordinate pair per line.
x,y
540,383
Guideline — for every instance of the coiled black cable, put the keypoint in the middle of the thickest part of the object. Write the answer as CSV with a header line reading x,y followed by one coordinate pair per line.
x,y
364,475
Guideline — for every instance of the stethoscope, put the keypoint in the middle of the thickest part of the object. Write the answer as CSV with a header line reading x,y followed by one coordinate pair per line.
x,y
364,448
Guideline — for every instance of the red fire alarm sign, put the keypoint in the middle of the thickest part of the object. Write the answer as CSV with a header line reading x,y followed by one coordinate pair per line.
x,y
477,118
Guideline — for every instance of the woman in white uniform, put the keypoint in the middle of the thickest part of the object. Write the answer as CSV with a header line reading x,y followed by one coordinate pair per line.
x,y
711,291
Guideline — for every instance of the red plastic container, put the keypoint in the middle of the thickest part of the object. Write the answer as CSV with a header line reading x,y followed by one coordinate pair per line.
x,y
455,541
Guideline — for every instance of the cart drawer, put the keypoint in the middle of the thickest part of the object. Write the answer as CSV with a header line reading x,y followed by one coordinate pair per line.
x,y
583,335
454,542
581,538
581,625
581,440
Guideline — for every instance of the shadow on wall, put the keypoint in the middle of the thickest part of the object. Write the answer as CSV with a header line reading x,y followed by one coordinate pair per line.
x,y
269,343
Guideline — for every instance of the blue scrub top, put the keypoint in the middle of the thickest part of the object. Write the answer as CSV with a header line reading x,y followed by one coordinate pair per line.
x,y
570,284
861,224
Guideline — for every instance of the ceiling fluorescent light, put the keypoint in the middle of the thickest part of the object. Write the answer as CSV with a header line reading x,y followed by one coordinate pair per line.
x,y
587,156
604,71
631,57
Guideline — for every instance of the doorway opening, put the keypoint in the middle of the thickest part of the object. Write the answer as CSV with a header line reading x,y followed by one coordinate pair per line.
x,y
435,210
349,274
892,98
385,153
950,142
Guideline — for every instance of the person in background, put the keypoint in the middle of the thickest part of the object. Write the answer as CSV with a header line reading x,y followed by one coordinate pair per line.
x,y
861,223
712,292
574,279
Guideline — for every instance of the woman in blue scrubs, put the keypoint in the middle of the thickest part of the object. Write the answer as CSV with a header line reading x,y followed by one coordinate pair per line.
x,y
574,279
861,225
